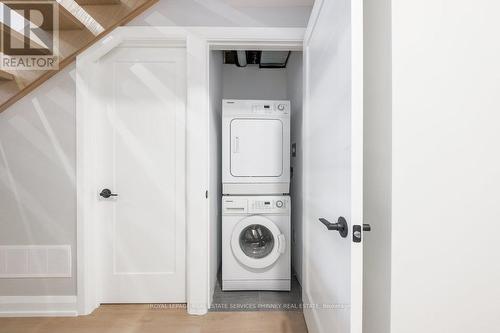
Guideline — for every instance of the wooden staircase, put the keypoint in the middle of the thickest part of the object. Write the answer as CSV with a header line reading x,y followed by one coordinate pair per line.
x,y
81,23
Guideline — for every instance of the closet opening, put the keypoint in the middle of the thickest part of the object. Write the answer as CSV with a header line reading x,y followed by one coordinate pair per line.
x,y
255,204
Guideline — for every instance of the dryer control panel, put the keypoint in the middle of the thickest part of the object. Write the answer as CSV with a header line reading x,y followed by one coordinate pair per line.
x,y
280,107
232,107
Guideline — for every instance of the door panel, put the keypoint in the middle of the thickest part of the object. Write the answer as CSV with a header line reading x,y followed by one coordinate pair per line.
x,y
256,148
143,131
333,168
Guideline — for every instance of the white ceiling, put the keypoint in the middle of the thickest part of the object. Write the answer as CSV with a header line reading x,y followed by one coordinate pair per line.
x,y
269,3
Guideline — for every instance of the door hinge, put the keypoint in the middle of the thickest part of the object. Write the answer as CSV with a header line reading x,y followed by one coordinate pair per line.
x,y
206,194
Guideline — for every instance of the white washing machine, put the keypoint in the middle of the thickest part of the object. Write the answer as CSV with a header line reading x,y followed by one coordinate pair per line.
x,y
256,243
255,147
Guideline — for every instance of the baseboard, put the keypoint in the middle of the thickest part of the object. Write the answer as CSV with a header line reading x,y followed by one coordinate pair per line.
x,y
197,309
38,306
310,316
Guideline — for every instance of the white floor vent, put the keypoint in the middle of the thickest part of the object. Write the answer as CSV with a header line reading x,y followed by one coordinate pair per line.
x,y
31,261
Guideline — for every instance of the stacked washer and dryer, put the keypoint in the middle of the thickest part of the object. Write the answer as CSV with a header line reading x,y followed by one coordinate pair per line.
x,y
256,225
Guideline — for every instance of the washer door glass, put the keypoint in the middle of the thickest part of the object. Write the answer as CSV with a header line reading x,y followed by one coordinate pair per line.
x,y
256,241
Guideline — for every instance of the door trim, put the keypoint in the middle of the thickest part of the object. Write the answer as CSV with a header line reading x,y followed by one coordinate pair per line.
x,y
199,41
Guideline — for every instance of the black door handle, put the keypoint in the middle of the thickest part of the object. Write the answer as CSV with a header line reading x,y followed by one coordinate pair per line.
x,y
341,226
106,193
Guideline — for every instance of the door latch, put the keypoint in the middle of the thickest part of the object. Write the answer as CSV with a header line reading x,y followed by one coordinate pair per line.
x,y
356,232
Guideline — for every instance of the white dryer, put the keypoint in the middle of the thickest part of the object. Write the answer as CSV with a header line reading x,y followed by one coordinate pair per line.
x,y
256,243
255,147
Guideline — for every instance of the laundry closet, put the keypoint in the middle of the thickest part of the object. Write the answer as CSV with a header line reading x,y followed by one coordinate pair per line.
x,y
166,96
256,167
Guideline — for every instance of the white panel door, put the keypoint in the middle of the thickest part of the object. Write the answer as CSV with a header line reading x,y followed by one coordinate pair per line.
x,y
256,148
143,161
333,174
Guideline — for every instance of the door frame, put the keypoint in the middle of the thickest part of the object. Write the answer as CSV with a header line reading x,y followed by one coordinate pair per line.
x,y
198,41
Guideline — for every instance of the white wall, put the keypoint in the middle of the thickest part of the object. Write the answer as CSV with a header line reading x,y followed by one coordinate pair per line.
x,y
252,82
377,166
37,178
269,13
445,166
37,187
215,182
294,90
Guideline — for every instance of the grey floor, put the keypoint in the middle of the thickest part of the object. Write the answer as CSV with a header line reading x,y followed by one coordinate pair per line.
x,y
258,300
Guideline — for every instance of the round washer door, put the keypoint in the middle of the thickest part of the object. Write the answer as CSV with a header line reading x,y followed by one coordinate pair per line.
x,y
257,242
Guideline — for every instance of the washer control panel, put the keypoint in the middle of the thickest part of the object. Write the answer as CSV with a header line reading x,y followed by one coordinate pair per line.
x,y
247,205
270,205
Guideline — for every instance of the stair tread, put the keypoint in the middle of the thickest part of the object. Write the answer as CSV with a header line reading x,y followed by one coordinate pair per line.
x,y
109,14
70,41
8,89
66,20
6,76
97,2
97,17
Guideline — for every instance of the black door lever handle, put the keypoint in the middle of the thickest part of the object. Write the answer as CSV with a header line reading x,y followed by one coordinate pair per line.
x,y
106,193
341,226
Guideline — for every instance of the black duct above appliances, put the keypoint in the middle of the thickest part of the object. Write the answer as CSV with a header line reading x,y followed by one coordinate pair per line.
x,y
265,59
